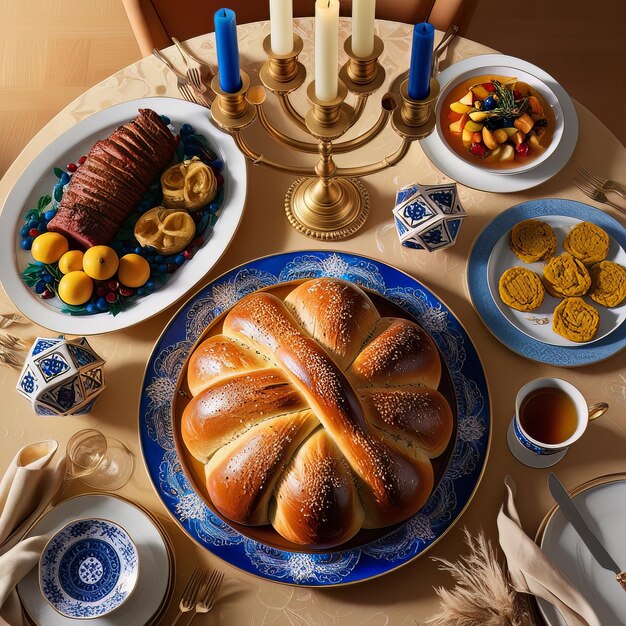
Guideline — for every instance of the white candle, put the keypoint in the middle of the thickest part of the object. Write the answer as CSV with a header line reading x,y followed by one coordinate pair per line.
x,y
326,49
281,26
363,12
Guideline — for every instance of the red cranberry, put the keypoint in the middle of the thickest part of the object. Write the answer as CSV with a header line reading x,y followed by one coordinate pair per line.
x,y
489,87
111,297
33,232
478,150
101,291
72,167
220,179
126,291
198,241
82,160
188,254
113,285
523,149
47,294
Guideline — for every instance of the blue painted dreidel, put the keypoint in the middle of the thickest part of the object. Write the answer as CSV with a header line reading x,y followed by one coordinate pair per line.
x,y
62,376
428,217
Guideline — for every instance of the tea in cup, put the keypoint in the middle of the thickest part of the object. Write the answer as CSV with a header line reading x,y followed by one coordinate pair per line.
x,y
550,415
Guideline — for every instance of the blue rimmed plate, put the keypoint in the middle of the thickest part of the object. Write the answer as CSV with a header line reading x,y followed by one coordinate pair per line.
x,y
404,543
498,324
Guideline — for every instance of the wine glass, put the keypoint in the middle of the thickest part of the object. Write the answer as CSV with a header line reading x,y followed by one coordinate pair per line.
x,y
98,461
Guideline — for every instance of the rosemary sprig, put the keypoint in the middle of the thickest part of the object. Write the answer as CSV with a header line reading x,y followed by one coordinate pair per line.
x,y
507,107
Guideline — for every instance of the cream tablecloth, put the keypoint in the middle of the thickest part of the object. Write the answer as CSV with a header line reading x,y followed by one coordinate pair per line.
x,y
405,596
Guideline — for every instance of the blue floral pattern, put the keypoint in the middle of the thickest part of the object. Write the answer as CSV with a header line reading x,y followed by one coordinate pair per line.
x,y
344,566
88,568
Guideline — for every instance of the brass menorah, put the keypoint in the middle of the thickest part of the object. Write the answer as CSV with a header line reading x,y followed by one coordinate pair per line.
x,y
327,202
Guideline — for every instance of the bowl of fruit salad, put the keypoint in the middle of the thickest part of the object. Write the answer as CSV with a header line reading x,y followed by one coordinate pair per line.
x,y
501,119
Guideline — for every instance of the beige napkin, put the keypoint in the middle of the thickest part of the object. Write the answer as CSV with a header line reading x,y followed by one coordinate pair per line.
x,y
532,572
27,488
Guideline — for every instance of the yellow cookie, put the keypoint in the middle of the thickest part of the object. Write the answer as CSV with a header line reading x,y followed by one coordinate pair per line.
x,y
564,277
587,242
575,320
521,289
532,240
608,283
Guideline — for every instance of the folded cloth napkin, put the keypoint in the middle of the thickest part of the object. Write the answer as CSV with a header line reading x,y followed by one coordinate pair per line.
x,y
532,572
27,488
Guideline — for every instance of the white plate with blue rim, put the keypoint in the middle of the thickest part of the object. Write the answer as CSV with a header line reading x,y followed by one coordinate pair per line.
x,y
602,502
154,585
89,568
477,177
39,179
537,324
477,279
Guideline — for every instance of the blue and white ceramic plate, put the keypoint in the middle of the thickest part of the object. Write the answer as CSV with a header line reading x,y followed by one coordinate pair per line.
x,y
404,543
573,355
88,569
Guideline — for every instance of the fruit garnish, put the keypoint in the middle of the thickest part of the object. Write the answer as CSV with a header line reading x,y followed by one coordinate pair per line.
x,y
71,261
134,271
49,247
75,288
100,262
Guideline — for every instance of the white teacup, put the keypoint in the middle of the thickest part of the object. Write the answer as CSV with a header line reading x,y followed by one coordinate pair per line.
x,y
535,453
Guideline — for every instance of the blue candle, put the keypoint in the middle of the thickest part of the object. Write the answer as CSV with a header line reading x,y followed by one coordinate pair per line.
x,y
227,50
421,60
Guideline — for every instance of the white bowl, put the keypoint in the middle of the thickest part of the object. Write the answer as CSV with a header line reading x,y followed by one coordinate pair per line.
x,y
543,88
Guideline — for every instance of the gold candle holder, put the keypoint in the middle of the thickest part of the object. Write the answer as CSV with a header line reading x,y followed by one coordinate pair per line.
x,y
327,202
416,117
282,73
363,75
231,111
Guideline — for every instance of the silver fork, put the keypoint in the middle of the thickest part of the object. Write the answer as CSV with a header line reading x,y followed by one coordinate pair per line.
x,y
212,589
194,67
602,183
442,46
181,80
206,70
191,593
595,193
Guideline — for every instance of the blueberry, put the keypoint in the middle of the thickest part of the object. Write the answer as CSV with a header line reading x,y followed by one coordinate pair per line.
x,y
40,287
27,243
48,215
91,308
191,140
39,263
43,271
150,286
217,165
179,260
24,230
139,250
162,267
159,258
186,129
42,227
213,207
508,122
166,120
32,222
149,251
494,123
141,291
65,178
102,304
58,192
489,103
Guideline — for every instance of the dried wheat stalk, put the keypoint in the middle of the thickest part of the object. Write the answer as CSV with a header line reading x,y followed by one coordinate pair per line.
x,y
482,595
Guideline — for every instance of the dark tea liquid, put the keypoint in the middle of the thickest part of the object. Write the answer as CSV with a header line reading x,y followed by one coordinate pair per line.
x,y
548,415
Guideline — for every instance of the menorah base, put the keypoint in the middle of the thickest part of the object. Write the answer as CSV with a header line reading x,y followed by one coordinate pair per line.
x,y
327,211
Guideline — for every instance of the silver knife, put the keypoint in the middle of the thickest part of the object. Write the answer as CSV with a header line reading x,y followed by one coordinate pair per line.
x,y
573,516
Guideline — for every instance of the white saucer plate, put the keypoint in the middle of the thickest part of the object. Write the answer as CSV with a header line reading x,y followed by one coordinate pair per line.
x,y
38,179
464,172
154,562
604,508
538,324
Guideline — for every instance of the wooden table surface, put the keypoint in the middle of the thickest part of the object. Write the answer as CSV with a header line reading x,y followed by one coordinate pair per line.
x,y
405,596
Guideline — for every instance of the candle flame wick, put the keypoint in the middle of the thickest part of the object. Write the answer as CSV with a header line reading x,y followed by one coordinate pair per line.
x,y
224,10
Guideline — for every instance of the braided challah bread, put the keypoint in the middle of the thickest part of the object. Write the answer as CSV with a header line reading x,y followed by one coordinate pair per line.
x,y
316,415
